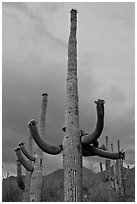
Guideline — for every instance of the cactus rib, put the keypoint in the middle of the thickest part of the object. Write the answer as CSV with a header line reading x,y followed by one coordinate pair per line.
x,y
40,142
92,137
23,161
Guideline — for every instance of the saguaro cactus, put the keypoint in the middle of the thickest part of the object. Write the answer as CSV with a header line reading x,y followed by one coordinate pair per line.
x,y
121,178
107,162
29,155
20,181
36,184
27,165
75,143
72,154
116,176
38,136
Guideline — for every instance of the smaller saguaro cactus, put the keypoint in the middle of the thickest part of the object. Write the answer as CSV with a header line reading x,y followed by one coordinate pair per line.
x,y
114,178
36,184
28,154
42,146
116,175
27,165
20,180
107,161
121,178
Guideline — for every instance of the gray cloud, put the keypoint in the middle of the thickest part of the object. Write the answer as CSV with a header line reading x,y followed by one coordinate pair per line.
x,y
52,7
16,5
35,61
38,19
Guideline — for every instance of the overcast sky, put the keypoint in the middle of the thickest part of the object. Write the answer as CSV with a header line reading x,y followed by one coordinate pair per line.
x,y
34,60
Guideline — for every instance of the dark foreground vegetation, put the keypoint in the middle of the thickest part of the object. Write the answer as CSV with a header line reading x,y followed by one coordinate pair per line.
x,y
95,189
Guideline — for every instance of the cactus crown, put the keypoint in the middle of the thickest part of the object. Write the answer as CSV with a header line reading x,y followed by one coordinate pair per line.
x,y
73,10
32,122
21,143
100,101
44,94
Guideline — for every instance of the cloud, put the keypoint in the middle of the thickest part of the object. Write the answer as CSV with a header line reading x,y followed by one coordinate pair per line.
x,y
35,39
35,18
52,7
15,5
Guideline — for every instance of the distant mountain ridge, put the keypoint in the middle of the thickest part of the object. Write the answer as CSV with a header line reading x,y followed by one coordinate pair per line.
x,y
94,188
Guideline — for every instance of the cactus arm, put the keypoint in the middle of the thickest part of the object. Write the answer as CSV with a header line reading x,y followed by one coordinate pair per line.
x,y
105,154
20,181
40,142
92,137
86,153
20,157
25,152
93,151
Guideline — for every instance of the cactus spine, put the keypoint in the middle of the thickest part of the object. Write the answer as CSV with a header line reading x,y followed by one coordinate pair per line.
x,y
72,155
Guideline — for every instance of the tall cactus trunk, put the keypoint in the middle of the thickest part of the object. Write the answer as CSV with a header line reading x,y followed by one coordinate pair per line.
x,y
36,183
72,154
26,193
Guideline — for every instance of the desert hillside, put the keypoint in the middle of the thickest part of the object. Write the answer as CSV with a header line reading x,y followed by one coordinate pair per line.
x,y
95,189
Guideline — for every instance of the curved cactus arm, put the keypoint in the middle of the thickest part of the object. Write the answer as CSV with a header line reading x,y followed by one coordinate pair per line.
x,y
25,152
90,138
109,155
20,157
20,181
86,153
93,151
40,142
